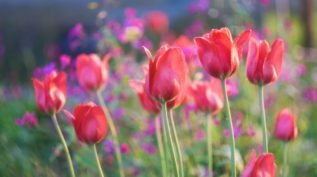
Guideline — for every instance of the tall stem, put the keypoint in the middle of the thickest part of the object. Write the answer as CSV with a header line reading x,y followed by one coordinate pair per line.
x,y
175,139
263,119
285,170
113,132
160,146
209,145
228,114
171,145
59,131
98,162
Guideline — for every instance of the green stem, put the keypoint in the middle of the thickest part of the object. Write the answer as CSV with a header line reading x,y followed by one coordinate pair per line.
x,y
113,132
160,147
98,162
209,145
59,131
175,139
228,114
285,159
171,146
263,119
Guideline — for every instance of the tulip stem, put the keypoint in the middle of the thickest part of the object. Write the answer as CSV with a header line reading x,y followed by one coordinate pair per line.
x,y
285,159
175,139
59,131
98,162
209,145
171,146
229,119
263,118
160,147
113,132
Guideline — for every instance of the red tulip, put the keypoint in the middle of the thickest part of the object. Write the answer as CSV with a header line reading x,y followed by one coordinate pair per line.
x,y
285,127
208,95
264,64
90,122
51,93
263,166
147,102
92,73
157,21
167,74
219,54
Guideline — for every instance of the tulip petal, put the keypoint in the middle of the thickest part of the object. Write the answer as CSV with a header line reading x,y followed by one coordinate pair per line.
x,y
39,94
240,40
136,85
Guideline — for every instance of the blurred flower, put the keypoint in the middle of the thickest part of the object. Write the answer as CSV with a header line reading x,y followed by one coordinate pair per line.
x,y
118,113
149,148
218,54
64,60
167,76
207,95
109,159
264,3
89,122
92,73
301,69
250,131
232,88
28,120
157,21
51,93
264,63
124,148
109,145
263,166
200,134
199,6
311,94
285,126
76,32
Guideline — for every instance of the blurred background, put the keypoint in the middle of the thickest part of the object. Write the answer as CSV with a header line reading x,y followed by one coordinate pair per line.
x,y
37,37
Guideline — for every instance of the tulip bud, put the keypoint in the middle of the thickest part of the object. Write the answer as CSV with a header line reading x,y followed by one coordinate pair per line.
x,y
166,79
51,94
92,73
262,166
264,63
285,127
219,54
89,122
157,21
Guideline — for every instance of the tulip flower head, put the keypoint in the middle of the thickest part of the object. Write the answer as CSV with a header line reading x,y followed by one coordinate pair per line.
x,y
166,79
264,63
207,95
92,73
157,21
51,94
285,127
89,122
219,54
263,166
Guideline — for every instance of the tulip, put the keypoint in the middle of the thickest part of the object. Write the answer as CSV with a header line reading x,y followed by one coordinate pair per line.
x,y
264,63
219,54
51,93
157,21
263,166
285,127
167,74
207,95
147,102
92,73
166,82
90,122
